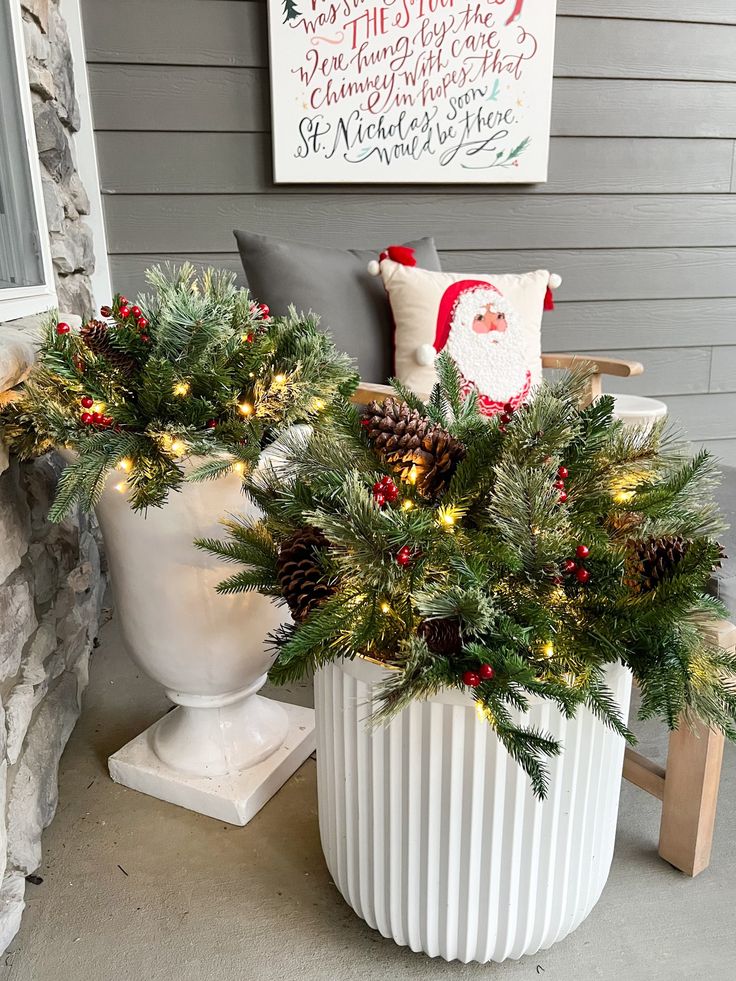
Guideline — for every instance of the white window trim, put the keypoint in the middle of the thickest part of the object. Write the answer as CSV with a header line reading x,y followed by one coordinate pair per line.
x,y
27,300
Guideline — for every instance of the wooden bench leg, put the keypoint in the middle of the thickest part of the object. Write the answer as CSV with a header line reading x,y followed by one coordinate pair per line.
x,y
693,774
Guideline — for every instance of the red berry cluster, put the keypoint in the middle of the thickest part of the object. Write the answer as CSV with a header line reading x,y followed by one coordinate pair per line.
x,y
562,474
62,328
93,418
126,312
262,310
385,491
505,417
473,678
404,556
571,567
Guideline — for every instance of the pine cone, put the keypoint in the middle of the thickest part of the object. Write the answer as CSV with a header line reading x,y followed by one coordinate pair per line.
x,y
418,450
96,335
300,575
442,635
653,561
624,525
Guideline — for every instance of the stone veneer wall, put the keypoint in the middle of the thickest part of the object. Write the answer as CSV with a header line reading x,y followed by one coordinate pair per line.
x,y
56,117
50,579
50,599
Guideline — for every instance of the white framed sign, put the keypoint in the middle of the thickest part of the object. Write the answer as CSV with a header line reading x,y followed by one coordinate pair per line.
x,y
411,91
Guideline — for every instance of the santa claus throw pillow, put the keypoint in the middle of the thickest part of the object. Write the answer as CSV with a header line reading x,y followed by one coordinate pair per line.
x,y
490,325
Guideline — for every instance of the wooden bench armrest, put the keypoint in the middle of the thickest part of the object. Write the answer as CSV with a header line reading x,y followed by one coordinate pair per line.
x,y
720,632
368,391
601,366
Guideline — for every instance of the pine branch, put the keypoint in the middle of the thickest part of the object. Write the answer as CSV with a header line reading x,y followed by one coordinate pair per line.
x,y
405,394
450,384
603,705
212,469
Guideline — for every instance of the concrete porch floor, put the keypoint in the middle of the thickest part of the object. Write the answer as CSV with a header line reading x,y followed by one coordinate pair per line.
x,y
137,890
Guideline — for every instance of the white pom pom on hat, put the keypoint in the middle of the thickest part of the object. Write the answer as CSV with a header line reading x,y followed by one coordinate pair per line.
x,y
374,268
425,354
555,281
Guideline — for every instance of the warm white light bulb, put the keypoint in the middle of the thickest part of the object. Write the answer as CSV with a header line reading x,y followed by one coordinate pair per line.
x,y
182,388
246,408
121,487
623,496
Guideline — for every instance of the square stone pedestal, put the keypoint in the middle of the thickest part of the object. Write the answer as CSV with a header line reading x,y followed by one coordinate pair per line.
x,y
235,798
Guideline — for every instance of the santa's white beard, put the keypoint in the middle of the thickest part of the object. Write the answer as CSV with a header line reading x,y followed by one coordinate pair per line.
x,y
497,362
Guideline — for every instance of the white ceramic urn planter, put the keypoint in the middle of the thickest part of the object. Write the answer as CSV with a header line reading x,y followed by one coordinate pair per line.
x,y
224,750
432,833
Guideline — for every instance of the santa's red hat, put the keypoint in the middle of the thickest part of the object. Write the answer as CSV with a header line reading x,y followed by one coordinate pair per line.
x,y
426,353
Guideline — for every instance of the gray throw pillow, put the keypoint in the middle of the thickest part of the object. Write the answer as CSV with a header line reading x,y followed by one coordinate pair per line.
x,y
352,304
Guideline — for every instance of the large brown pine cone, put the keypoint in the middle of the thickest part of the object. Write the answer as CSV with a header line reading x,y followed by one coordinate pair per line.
x,y
655,560
442,635
302,581
417,450
96,335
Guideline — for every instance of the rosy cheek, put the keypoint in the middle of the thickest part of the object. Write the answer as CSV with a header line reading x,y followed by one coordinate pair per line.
x,y
480,327
501,326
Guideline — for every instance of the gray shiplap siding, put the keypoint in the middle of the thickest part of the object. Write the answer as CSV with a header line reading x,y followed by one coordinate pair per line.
x,y
638,216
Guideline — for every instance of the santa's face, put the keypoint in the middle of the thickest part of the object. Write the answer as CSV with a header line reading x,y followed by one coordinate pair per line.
x,y
488,344
489,320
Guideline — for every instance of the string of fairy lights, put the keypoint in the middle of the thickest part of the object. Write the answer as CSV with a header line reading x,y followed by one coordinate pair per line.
x,y
177,447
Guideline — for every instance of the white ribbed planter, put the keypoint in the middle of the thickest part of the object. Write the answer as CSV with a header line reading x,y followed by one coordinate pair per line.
x,y
432,834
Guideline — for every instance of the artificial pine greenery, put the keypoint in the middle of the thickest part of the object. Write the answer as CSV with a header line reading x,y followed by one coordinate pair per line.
x,y
196,369
519,582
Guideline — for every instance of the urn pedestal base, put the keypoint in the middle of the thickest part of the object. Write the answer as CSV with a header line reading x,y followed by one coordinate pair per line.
x,y
234,797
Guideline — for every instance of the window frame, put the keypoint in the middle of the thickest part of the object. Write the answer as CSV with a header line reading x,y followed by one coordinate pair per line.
x,y
24,301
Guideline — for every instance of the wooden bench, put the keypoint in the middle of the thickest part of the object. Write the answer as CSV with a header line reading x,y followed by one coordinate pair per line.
x,y
688,784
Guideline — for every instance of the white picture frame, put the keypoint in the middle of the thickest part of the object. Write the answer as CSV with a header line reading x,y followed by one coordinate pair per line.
x,y
411,91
